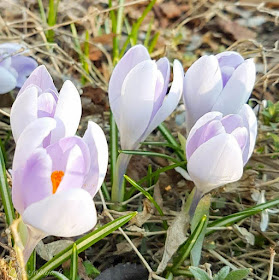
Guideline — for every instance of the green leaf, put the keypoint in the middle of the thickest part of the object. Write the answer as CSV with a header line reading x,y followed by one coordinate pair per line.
x,y
90,269
222,274
198,273
82,244
187,246
57,275
5,192
182,141
74,263
201,210
238,274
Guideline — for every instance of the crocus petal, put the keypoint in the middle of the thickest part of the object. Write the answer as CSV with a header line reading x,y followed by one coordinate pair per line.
x,y
7,81
241,136
171,100
163,66
159,94
203,134
67,113
231,122
96,141
24,111
136,103
24,66
250,122
202,86
67,213
229,58
216,162
70,155
46,105
238,89
12,47
41,79
32,183
133,56
30,139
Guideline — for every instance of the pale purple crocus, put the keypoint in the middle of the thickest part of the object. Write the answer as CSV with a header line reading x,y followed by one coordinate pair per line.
x,y
218,147
53,186
15,67
139,101
221,83
39,98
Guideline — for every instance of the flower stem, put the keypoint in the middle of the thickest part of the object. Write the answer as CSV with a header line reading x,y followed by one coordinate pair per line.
x,y
196,199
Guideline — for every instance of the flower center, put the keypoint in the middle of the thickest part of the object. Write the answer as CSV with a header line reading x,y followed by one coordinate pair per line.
x,y
56,177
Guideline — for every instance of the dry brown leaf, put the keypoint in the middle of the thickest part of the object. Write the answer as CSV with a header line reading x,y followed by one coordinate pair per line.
x,y
145,215
170,9
124,247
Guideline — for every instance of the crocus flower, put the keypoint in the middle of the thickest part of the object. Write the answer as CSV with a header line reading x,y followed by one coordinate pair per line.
x,y
53,186
14,67
220,83
138,97
39,98
218,147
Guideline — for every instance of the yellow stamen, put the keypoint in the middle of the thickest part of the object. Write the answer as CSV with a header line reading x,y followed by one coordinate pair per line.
x,y
56,177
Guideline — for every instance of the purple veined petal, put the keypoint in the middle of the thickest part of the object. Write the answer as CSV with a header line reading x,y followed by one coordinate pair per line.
x,y
202,86
132,57
227,72
67,213
216,163
96,141
67,113
24,66
7,81
250,122
24,111
137,99
229,58
32,182
40,78
205,119
171,100
241,136
238,89
30,139
231,122
71,156
159,94
46,105
163,66
202,135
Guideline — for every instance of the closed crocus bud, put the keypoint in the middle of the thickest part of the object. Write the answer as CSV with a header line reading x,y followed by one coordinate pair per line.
x,y
138,97
218,147
14,66
53,187
220,83
39,98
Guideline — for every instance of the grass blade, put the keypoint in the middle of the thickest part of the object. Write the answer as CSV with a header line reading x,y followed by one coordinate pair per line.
x,y
31,264
82,244
58,275
74,263
185,249
5,192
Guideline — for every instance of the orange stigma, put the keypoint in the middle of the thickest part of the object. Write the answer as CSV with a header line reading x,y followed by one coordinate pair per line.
x,y
56,177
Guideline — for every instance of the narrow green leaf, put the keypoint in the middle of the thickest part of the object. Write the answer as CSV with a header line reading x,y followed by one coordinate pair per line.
x,y
74,263
148,153
222,274
238,274
31,264
161,144
153,42
5,192
168,136
186,247
148,196
82,244
233,218
51,20
42,11
57,275
148,33
199,274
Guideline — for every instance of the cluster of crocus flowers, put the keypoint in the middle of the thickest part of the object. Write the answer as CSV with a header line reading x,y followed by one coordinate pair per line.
x,y
15,67
139,101
55,173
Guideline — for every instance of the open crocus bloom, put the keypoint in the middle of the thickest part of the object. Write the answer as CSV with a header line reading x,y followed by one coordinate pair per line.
x,y
218,147
39,98
138,97
14,67
220,83
53,186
